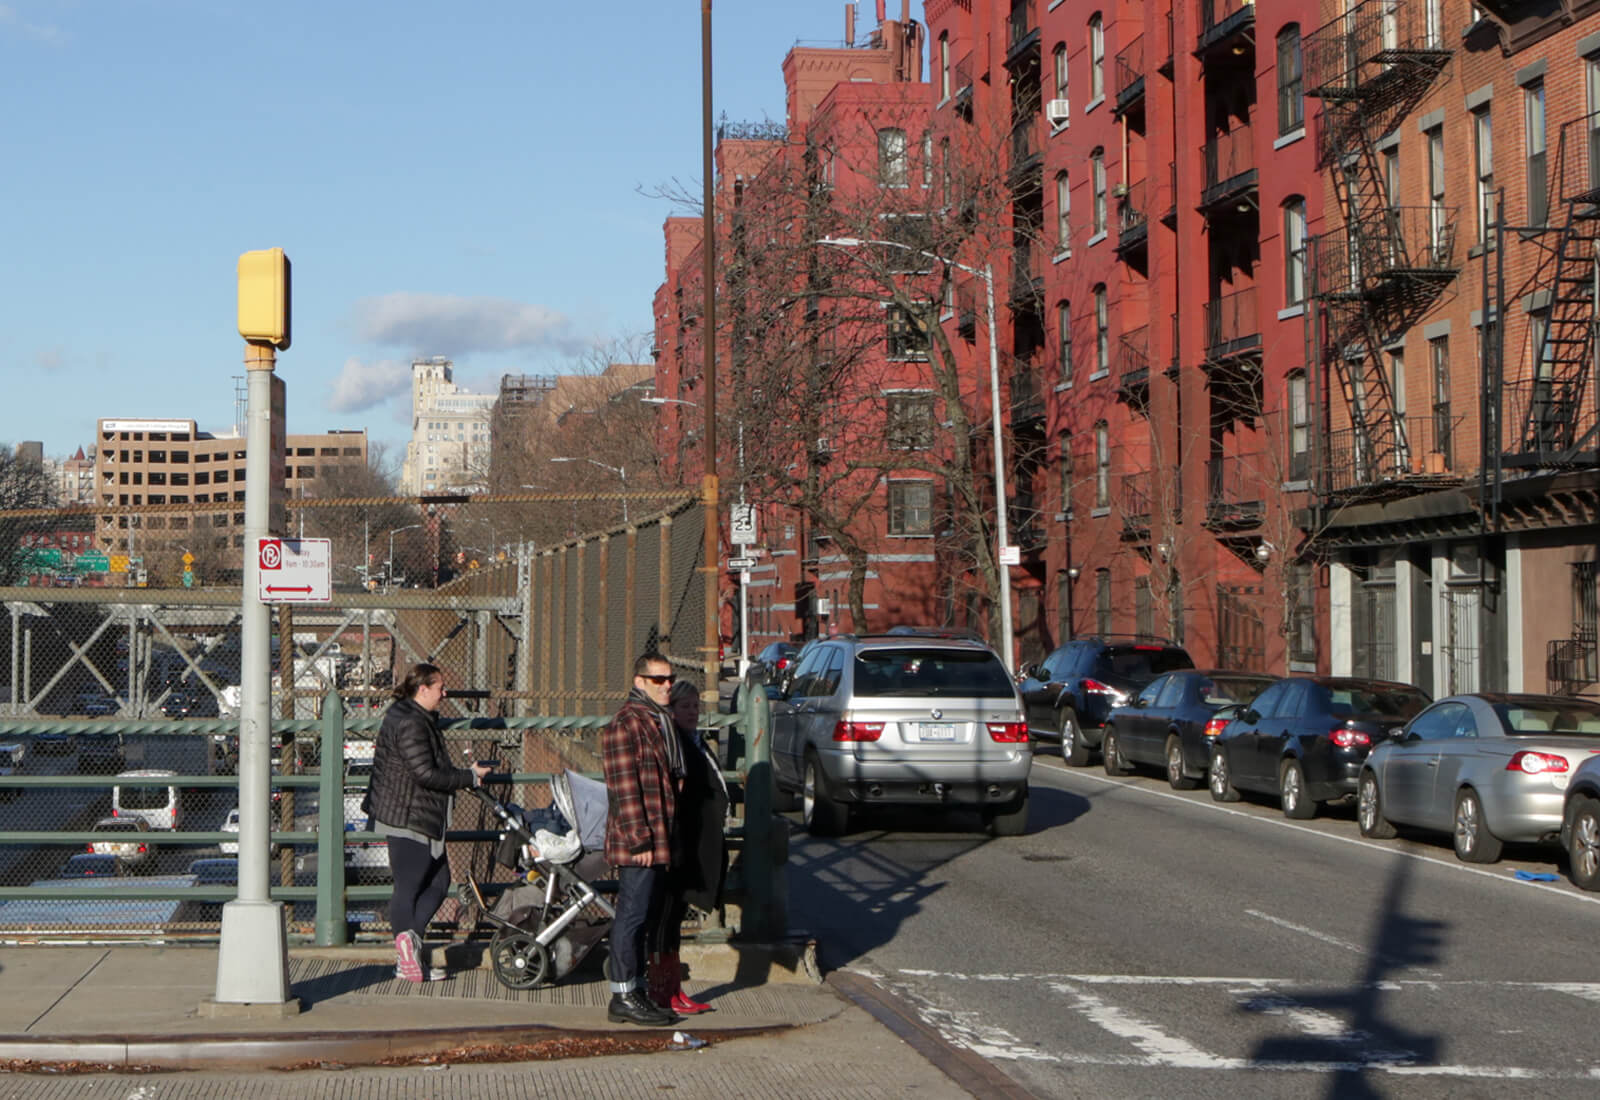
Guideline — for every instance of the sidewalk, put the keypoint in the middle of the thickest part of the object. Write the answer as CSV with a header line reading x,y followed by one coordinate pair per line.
x,y
122,1007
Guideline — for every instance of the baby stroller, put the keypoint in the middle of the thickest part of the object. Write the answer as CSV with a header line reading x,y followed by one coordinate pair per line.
x,y
547,922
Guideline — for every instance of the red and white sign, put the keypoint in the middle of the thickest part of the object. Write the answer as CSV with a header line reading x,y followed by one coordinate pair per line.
x,y
294,570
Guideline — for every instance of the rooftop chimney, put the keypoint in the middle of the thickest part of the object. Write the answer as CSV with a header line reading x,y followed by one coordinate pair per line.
x,y
849,24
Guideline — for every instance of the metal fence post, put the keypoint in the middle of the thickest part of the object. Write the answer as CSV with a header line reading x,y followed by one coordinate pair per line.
x,y
331,928
766,916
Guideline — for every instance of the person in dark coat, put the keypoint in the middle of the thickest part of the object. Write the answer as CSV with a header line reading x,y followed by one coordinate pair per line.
x,y
408,801
698,856
643,765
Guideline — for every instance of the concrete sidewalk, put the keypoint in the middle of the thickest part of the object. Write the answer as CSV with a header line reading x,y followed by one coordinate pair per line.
x,y
117,1008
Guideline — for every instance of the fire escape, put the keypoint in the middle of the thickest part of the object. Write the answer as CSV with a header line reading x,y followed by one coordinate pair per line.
x,y
1388,263
1550,410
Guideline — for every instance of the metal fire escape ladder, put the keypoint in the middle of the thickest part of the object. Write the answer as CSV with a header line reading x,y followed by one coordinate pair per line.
x,y
1370,67
1559,423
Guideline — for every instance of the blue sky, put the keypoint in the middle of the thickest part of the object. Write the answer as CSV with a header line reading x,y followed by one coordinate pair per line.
x,y
471,180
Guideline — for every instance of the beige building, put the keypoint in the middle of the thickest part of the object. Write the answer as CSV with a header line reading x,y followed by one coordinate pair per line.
x,y
449,445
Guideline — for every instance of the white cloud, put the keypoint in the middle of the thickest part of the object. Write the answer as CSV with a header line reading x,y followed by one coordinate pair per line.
x,y
43,32
50,359
443,324
363,385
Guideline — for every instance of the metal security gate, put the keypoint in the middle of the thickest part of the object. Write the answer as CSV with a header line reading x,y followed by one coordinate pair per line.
x,y
1463,631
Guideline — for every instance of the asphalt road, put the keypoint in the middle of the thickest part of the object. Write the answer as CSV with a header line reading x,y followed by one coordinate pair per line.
x,y
1140,941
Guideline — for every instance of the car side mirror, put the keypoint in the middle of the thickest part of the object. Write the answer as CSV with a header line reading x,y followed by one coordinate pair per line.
x,y
1249,714
1026,670
1397,733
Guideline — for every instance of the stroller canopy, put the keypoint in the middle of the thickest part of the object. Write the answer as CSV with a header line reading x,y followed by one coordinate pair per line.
x,y
583,802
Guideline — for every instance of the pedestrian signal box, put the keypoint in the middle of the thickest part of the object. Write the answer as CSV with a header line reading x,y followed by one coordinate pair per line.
x,y
264,297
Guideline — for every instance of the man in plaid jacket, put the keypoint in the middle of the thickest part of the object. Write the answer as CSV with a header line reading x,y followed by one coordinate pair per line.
x,y
643,766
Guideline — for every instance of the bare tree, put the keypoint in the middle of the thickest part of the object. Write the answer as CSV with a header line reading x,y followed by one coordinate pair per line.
x,y
24,484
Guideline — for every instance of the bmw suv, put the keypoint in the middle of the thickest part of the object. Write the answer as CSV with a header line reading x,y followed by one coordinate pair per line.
x,y
1069,695
885,720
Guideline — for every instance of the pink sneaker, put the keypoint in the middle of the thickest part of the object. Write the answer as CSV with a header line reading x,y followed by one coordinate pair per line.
x,y
407,949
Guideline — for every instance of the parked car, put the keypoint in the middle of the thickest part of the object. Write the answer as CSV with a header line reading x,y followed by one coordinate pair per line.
x,y
901,721
1304,739
230,824
99,753
213,872
127,838
1486,768
1069,695
91,865
1173,721
1580,825
769,664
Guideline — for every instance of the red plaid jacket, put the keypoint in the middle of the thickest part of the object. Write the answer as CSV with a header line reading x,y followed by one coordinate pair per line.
x,y
639,788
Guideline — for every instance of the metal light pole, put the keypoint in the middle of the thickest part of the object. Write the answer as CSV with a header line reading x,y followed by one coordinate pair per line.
x,y
622,475
388,578
1002,538
708,248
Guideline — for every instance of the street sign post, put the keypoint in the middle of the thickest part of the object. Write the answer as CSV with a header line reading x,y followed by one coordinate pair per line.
x,y
294,570
742,525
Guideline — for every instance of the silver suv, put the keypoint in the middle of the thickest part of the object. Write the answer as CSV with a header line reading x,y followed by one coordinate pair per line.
x,y
901,720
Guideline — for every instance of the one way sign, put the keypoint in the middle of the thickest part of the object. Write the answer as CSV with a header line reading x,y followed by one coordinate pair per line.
x,y
294,570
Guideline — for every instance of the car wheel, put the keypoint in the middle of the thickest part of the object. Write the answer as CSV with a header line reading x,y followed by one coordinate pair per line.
x,y
1583,846
822,815
1073,750
1292,792
1220,781
1369,809
1012,819
1175,777
1474,842
1111,753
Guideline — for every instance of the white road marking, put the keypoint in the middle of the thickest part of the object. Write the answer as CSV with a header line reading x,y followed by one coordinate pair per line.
x,y
1333,941
1554,890
1161,1047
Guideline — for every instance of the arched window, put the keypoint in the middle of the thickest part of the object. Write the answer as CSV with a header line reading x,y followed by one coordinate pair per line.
x,y
1102,333
1294,251
944,66
1102,465
1097,57
1097,180
1291,81
1299,427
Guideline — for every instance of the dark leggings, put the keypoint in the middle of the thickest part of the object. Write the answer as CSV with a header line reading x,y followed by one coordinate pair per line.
x,y
420,884
667,935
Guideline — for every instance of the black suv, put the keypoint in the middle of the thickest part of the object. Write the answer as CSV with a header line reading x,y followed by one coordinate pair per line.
x,y
1070,693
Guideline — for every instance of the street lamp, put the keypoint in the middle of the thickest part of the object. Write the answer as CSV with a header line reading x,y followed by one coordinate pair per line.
x,y
621,473
1001,536
390,563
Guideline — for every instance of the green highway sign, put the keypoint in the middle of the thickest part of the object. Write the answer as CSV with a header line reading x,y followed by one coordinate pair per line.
x,y
92,561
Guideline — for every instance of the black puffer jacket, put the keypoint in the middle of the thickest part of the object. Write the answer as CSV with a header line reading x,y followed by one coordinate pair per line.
x,y
411,772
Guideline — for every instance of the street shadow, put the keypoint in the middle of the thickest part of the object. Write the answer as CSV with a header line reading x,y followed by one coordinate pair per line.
x,y
1370,1040
342,982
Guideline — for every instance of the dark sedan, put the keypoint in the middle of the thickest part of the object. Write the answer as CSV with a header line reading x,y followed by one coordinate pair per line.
x,y
770,664
1305,739
1171,723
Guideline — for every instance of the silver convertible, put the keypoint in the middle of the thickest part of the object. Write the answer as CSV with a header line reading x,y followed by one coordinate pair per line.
x,y
1487,768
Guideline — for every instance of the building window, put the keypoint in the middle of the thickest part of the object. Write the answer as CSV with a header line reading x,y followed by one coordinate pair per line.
x,y
1102,601
1391,176
1533,141
1483,170
1097,58
1302,613
1064,465
946,188
892,171
1064,341
944,66
927,160
910,419
1436,207
1102,465
1060,59
1591,80
910,507
1102,337
1439,356
1433,26
1063,213
1291,81
1299,428
1397,390
905,338
1294,251
1097,177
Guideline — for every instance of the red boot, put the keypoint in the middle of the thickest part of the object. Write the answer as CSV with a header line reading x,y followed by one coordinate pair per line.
x,y
680,1002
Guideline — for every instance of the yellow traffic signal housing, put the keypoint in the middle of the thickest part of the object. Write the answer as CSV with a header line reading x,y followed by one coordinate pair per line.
x,y
264,297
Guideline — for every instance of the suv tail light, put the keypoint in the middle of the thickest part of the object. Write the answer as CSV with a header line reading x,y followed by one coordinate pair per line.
x,y
88,847
783,663
1095,687
1215,726
848,729
1536,763
1347,738
1008,732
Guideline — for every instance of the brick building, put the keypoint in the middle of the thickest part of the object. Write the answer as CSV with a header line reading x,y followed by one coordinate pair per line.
x,y
1295,323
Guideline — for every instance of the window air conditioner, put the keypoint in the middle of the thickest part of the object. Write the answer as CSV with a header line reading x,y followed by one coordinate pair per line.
x,y
1058,111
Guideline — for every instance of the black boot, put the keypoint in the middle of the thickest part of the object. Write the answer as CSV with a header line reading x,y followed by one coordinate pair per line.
x,y
633,1008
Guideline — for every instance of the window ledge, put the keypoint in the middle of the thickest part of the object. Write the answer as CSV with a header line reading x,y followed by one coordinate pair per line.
x,y
1064,254
1290,138
1060,127
1100,513
1054,4
1099,374
1297,310
1063,387
941,103
1096,239
1295,487
946,315
910,534
1093,103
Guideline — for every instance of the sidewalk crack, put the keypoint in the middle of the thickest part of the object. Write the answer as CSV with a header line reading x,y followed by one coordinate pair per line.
x,y
65,993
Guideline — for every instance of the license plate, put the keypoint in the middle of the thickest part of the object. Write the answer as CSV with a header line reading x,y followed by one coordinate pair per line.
x,y
938,731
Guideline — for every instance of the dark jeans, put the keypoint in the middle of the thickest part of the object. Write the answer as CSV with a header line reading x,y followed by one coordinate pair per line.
x,y
639,898
420,884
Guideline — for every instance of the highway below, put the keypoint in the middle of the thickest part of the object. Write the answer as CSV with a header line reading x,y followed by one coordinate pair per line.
x,y
1140,941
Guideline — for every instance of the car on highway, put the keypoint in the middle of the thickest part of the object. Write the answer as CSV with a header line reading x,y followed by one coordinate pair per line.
x,y
1070,694
1173,721
126,838
12,755
91,865
190,702
99,753
1305,738
1580,825
213,872
886,720
230,824
95,704
1485,767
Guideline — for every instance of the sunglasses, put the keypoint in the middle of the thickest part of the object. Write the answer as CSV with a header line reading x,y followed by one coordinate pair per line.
x,y
667,679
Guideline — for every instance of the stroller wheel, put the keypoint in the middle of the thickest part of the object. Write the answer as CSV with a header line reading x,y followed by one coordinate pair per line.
x,y
519,960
